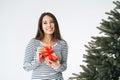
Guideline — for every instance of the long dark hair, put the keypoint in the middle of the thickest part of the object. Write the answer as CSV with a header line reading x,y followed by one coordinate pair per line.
x,y
40,32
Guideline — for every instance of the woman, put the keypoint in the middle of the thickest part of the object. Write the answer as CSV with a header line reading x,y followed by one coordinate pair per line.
x,y
48,34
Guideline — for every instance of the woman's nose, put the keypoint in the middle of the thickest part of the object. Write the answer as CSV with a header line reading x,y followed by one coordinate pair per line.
x,y
48,24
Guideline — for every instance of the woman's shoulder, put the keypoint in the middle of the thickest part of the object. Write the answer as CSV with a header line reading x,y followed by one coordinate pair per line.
x,y
63,41
33,40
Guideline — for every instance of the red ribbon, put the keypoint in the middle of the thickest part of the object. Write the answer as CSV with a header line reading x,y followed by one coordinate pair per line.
x,y
48,52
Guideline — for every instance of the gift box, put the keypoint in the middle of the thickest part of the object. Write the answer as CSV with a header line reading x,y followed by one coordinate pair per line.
x,y
48,52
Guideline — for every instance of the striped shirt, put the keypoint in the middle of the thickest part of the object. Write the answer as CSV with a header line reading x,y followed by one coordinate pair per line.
x,y
43,71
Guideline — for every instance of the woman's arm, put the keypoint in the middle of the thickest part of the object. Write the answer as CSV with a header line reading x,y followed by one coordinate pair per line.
x,y
30,61
63,64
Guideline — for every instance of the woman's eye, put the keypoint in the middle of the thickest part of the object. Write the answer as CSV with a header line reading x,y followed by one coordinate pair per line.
x,y
48,22
52,22
45,22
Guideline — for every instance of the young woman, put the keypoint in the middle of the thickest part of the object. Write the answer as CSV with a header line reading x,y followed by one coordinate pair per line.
x,y
48,34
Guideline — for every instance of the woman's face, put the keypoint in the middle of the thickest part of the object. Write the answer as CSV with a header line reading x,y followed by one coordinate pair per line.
x,y
48,25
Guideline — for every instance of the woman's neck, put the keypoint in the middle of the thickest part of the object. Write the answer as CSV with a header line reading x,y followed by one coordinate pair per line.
x,y
48,40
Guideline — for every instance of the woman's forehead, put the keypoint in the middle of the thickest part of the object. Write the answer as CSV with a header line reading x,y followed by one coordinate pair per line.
x,y
46,17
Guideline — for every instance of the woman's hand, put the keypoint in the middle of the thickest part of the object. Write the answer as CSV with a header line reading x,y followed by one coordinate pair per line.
x,y
53,64
39,51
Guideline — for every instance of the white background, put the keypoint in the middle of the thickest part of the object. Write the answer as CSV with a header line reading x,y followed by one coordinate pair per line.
x,y
77,19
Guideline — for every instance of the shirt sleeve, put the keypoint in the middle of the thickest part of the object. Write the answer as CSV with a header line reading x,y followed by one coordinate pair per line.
x,y
64,53
30,62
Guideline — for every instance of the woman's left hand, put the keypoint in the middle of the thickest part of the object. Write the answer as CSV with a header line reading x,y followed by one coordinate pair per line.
x,y
53,64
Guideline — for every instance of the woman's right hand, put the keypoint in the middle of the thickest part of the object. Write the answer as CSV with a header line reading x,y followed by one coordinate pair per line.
x,y
39,51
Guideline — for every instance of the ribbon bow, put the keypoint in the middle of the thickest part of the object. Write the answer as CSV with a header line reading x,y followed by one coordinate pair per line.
x,y
48,52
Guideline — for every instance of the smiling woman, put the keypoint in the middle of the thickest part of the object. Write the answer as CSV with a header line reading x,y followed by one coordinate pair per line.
x,y
47,41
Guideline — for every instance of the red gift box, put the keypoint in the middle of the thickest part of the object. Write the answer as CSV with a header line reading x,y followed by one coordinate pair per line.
x,y
48,52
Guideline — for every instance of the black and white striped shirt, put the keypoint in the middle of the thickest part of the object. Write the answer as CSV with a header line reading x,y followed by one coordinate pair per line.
x,y
43,71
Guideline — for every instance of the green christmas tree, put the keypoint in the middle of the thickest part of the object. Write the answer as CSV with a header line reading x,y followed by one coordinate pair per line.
x,y
103,52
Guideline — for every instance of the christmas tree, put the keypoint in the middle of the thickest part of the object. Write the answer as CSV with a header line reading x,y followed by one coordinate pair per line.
x,y
103,51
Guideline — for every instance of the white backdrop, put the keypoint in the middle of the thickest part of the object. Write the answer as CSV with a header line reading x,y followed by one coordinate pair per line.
x,y
77,19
